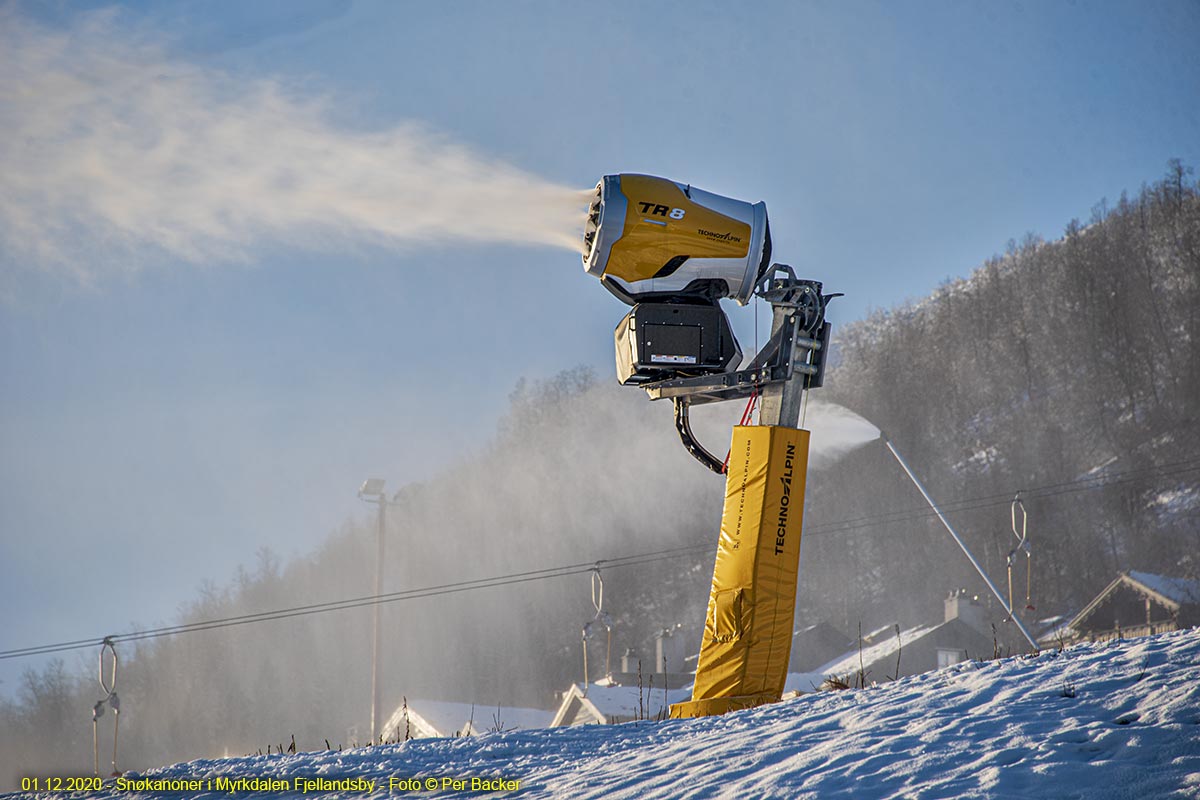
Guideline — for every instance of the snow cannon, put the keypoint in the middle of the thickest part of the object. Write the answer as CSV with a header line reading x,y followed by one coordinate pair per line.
x,y
651,239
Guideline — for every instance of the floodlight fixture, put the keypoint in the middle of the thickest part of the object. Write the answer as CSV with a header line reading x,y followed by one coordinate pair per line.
x,y
372,487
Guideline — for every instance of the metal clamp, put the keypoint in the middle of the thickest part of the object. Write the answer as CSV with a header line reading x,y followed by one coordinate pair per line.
x,y
600,619
1022,536
110,685
111,700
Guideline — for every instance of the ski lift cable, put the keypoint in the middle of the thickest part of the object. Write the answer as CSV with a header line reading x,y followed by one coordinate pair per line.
x,y
393,597
500,580
1047,490
550,572
1051,490
340,605
989,501
467,585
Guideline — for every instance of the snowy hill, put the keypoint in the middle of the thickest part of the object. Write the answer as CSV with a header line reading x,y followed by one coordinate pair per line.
x,y
1113,720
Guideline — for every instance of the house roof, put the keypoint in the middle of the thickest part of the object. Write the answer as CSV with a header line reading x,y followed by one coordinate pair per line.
x,y
608,704
1169,592
1179,590
823,631
850,662
406,721
817,644
437,718
952,634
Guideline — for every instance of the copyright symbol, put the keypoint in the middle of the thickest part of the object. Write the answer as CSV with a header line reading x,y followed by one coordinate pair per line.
x,y
431,783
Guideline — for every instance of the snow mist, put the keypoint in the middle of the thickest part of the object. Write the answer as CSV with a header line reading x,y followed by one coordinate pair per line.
x,y
115,152
836,430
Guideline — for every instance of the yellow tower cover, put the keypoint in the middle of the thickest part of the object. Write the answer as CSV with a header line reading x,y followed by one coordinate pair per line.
x,y
748,630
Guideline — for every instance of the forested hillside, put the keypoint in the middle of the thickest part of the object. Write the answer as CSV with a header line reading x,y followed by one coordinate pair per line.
x,y
1069,370
1052,363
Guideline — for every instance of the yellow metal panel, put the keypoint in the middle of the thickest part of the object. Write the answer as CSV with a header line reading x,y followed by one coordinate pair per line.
x,y
650,239
748,630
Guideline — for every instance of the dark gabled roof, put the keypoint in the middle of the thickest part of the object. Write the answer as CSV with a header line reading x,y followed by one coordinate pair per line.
x,y
850,661
1170,593
817,644
1179,590
956,634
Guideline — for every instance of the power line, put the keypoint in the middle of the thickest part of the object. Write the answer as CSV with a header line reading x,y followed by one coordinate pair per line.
x,y
990,501
843,526
357,602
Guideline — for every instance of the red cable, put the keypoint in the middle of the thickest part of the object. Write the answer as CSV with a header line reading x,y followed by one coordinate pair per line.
x,y
747,415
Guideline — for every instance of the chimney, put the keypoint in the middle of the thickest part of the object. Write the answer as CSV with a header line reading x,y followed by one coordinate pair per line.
x,y
629,661
669,650
960,605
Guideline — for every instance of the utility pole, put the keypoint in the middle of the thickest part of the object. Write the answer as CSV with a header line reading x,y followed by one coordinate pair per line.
x,y
376,715
374,487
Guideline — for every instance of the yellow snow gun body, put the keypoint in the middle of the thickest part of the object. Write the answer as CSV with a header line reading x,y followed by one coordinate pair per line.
x,y
653,239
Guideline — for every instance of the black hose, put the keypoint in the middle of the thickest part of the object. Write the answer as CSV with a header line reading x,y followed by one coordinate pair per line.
x,y
689,440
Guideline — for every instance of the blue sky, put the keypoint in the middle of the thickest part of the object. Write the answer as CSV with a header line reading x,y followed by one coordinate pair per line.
x,y
162,418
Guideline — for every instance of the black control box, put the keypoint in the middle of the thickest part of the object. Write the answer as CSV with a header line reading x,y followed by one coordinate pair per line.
x,y
657,341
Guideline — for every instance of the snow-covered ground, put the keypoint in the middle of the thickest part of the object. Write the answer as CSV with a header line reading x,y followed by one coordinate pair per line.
x,y
1112,720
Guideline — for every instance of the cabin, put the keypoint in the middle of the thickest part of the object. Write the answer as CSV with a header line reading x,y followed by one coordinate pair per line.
x,y
1136,604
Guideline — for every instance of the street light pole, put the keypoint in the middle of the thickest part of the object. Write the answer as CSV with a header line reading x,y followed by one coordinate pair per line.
x,y
374,486
376,714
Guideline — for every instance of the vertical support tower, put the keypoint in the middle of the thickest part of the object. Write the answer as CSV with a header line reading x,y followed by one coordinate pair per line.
x,y
747,640
748,628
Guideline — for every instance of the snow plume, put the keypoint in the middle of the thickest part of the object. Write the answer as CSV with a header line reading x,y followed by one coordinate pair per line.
x,y
114,152
836,430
